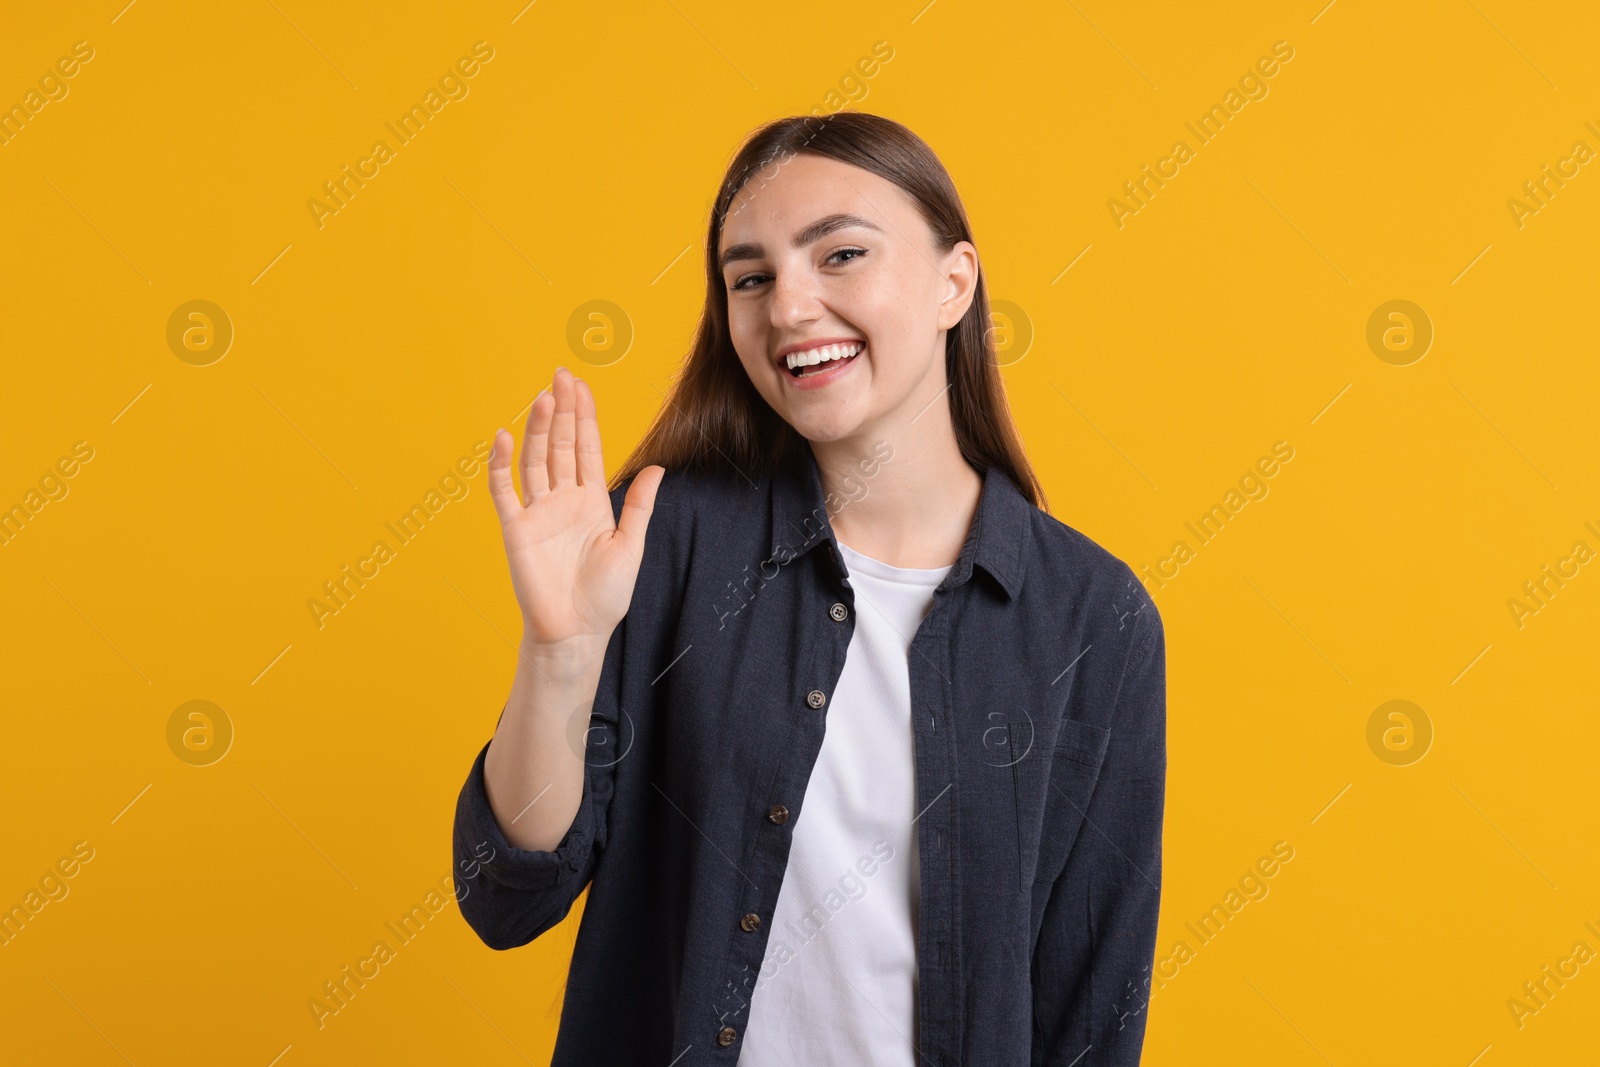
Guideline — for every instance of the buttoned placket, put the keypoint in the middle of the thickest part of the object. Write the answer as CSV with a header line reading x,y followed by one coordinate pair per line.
x,y
939,933
822,665
938,954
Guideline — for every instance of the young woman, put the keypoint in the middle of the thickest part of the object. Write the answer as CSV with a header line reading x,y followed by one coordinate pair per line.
x,y
861,753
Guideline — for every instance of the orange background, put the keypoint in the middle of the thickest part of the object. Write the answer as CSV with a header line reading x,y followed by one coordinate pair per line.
x,y
1150,366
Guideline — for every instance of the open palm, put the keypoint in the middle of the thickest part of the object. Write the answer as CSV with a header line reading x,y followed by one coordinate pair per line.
x,y
573,565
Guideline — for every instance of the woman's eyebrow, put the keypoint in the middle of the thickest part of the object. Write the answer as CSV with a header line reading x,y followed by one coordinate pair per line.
x,y
814,232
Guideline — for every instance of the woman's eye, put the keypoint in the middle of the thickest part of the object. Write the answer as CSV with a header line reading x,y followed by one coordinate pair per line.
x,y
755,279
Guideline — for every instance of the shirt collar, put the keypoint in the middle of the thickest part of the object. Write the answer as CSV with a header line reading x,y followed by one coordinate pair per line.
x,y
999,540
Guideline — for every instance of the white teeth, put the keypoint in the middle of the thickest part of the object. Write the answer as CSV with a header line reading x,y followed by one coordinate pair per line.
x,y
820,355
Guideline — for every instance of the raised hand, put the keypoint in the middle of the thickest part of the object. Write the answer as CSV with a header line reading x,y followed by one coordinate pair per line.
x,y
573,566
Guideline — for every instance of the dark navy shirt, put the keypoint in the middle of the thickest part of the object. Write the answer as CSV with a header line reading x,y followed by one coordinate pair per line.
x,y
1038,697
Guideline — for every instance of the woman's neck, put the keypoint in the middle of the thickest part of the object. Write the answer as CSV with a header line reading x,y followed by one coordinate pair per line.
x,y
905,497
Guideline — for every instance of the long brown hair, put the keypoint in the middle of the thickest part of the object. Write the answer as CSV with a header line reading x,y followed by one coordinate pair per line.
x,y
714,415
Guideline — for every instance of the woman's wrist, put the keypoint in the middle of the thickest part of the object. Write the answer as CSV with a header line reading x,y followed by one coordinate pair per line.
x,y
567,660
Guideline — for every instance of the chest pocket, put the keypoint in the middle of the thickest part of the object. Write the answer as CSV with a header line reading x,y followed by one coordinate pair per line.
x,y
1056,784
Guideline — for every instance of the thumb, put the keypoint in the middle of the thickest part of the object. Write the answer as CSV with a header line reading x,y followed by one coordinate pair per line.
x,y
639,505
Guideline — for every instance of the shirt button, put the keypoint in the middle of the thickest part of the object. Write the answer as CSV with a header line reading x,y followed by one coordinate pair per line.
x,y
778,814
838,612
726,1035
750,923
816,698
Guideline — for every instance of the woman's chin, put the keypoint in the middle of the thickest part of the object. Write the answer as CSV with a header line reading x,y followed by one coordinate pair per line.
x,y
825,428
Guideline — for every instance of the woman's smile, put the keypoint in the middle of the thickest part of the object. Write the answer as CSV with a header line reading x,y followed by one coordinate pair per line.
x,y
817,367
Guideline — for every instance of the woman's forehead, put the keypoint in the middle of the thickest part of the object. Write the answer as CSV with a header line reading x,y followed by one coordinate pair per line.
x,y
787,196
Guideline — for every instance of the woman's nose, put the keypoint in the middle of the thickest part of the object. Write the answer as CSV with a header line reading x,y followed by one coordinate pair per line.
x,y
795,299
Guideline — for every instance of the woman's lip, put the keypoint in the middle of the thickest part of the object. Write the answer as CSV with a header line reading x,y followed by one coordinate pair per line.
x,y
826,377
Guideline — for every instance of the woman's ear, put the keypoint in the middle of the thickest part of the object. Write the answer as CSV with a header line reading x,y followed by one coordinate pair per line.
x,y
960,269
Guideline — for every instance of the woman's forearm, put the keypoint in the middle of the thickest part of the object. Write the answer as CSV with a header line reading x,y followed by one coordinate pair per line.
x,y
533,771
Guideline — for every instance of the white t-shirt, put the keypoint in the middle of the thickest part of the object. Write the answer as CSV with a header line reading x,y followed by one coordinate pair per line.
x,y
838,985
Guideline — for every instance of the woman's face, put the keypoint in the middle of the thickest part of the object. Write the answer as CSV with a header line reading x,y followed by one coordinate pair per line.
x,y
818,251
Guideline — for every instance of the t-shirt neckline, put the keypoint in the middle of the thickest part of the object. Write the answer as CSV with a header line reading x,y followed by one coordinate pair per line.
x,y
858,563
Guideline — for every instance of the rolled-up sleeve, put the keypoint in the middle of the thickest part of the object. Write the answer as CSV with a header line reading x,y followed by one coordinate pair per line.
x,y
1096,944
510,895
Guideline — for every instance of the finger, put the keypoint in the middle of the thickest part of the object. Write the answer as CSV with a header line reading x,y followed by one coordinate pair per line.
x,y
563,461
501,491
639,505
591,463
535,481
